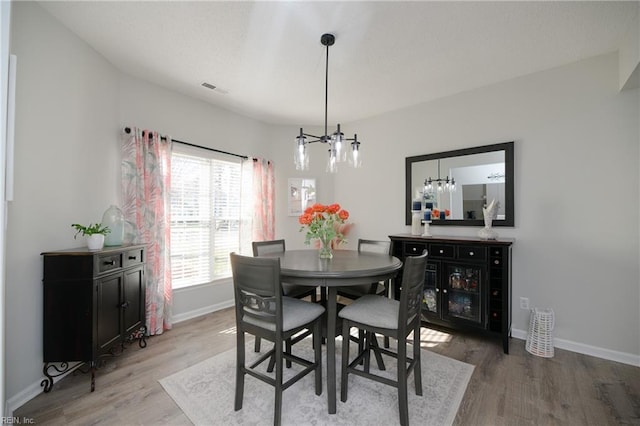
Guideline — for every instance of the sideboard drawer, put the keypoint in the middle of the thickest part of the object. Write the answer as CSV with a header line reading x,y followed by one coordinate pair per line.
x,y
414,249
109,262
472,253
442,251
133,257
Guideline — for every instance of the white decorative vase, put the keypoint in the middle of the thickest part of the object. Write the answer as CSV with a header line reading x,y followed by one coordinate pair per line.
x,y
416,223
488,233
95,242
489,214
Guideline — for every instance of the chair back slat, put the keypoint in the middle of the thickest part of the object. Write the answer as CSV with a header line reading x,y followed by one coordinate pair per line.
x,y
264,248
256,282
373,246
412,286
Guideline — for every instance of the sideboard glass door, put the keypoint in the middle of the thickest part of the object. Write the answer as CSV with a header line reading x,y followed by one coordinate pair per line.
x,y
463,290
431,292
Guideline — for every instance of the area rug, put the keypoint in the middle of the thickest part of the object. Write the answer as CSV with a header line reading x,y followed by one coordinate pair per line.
x,y
205,393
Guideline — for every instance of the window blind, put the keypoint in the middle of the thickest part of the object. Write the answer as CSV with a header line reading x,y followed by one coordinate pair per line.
x,y
205,217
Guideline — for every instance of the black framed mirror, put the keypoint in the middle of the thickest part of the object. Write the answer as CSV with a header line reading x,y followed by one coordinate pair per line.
x,y
481,174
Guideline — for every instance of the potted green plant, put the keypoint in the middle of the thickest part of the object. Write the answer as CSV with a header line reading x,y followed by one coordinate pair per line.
x,y
94,233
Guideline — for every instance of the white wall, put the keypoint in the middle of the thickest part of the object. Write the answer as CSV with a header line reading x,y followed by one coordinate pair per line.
x,y
5,25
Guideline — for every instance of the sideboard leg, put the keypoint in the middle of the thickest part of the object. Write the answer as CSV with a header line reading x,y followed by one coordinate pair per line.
x,y
93,375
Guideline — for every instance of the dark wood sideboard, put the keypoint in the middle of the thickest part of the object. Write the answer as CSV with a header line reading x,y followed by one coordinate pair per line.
x,y
467,282
94,303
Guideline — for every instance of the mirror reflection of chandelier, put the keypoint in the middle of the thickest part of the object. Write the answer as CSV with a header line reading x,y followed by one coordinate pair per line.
x,y
496,177
337,141
439,184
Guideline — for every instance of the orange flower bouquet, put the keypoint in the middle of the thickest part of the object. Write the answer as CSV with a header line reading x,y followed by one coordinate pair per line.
x,y
323,223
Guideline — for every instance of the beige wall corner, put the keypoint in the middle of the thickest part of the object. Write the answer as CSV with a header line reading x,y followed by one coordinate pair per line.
x,y
629,56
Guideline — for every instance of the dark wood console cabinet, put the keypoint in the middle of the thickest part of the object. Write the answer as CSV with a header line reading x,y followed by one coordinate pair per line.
x,y
94,302
467,282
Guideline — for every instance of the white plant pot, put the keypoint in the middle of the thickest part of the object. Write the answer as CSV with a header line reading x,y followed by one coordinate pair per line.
x,y
95,242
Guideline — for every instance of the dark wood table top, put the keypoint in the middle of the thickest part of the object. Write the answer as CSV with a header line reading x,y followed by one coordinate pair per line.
x,y
348,267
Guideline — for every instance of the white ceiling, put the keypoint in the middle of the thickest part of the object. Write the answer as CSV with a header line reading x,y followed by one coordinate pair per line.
x,y
268,63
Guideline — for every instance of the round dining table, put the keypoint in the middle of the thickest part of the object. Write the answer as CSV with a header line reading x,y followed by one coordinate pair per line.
x,y
347,267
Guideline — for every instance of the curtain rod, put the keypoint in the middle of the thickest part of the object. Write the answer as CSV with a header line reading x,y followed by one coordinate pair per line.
x,y
127,130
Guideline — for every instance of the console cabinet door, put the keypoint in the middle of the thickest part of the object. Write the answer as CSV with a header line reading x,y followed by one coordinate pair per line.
x,y
463,293
133,300
431,293
109,319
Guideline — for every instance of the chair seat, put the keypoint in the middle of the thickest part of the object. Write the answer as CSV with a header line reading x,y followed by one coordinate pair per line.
x,y
376,311
295,313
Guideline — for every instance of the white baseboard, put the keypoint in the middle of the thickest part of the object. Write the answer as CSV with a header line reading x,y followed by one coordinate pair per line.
x,y
31,392
582,348
202,311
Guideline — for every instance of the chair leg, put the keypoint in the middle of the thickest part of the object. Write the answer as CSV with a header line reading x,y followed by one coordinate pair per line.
x,y
317,349
345,361
288,351
272,363
403,403
277,416
257,345
367,349
240,361
376,352
390,296
361,338
417,371
314,296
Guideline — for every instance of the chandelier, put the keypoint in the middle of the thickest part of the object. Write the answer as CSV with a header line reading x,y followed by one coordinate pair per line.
x,y
336,141
439,184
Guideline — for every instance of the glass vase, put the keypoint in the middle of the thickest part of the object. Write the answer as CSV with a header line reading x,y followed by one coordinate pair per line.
x,y
325,249
114,219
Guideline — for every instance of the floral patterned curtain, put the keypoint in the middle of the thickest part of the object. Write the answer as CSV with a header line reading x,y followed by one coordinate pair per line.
x,y
258,200
146,173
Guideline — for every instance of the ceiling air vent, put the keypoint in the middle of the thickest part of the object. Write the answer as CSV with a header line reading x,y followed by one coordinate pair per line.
x,y
208,85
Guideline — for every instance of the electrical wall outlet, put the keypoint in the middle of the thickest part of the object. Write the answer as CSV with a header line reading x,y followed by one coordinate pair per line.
x,y
524,303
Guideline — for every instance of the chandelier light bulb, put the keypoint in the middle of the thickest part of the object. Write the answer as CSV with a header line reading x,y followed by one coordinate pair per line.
x,y
301,158
337,140
332,164
355,160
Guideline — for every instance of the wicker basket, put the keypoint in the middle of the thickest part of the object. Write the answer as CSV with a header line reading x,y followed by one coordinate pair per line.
x,y
540,336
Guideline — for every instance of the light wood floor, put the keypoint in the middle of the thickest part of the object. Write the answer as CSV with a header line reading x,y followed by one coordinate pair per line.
x,y
515,389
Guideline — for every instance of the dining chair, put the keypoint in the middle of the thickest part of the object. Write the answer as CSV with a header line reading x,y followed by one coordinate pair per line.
x,y
393,318
265,248
262,310
357,291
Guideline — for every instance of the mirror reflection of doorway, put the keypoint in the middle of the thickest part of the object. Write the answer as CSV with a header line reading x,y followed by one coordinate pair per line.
x,y
476,196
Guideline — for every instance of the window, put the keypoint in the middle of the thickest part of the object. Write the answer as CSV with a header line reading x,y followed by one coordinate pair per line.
x,y
205,216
